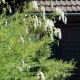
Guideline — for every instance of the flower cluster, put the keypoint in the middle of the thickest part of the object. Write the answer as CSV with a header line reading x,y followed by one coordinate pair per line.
x,y
60,13
41,76
33,5
57,33
49,24
39,23
22,40
36,22
23,66
9,7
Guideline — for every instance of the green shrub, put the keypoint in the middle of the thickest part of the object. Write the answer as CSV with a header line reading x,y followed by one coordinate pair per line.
x,y
24,49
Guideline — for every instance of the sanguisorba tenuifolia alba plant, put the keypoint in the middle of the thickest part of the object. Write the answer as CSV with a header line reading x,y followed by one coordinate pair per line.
x,y
24,46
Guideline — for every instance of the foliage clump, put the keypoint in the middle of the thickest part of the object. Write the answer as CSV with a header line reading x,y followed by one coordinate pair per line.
x,y
24,48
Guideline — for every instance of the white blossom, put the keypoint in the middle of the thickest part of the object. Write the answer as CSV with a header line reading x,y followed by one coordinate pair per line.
x,y
24,20
51,5
22,62
6,22
35,26
65,20
41,76
9,48
59,17
49,24
58,33
36,22
62,14
46,24
10,10
39,23
22,40
19,40
52,36
28,68
11,45
44,15
45,27
36,18
26,15
58,11
3,1
54,21
43,10
26,30
20,69
33,5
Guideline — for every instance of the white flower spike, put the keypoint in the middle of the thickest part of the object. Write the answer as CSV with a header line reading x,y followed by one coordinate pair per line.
x,y
41,76
58,33
24,20
33,5
65,20
36,18
43,10
36,22
6,22
20,69
49,24
22,40
39,23
59,18
51,5
60,13
35,26
52,36
26,31
10,10
22,62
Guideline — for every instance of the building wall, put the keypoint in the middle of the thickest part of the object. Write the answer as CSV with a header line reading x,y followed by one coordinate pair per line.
x,y
71,43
